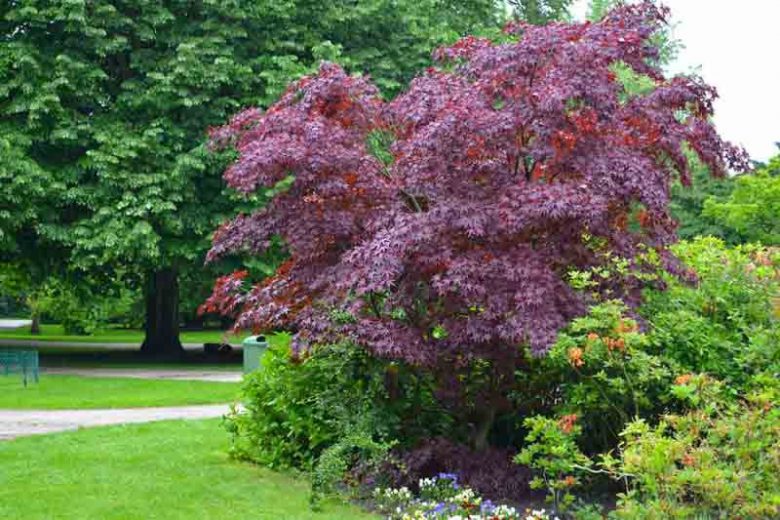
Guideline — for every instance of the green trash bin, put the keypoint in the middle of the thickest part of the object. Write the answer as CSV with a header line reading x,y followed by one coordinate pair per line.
x,y
253,347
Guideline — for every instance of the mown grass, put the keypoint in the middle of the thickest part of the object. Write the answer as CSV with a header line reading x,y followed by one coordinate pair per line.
x,y
51,332
64,392
165,470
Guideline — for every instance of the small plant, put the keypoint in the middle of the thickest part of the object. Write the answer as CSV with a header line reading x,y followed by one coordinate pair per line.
x,y
552,451
442,498
342,465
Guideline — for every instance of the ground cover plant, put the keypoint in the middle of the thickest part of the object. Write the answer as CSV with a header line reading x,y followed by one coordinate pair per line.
x,y
70,392
494,246
172,469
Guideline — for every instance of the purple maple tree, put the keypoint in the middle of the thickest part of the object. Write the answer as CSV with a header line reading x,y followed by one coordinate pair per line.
x,y
440,227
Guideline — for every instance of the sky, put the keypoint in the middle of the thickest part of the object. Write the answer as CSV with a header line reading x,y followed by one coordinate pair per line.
x,y
735,46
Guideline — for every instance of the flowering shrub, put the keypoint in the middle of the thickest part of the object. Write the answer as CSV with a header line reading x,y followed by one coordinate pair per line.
x,y
442,498
602,371
719,460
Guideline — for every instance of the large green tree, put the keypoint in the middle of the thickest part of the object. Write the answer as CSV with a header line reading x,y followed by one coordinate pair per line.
x,y
104,106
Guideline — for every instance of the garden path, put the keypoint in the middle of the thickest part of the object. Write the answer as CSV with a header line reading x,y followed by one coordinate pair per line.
x,y
17,423
6,323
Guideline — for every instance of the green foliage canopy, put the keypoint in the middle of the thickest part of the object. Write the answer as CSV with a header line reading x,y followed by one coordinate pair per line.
x,y
105,106
753,207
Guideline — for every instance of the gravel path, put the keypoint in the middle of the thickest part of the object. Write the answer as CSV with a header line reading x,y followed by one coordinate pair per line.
x,y
17,423
13,324
143,373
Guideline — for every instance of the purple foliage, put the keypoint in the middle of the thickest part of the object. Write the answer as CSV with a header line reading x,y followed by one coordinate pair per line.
x,y
490,472
503,158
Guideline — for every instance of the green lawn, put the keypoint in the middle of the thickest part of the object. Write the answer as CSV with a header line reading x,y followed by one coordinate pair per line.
x,y
60,392
56,333
165,470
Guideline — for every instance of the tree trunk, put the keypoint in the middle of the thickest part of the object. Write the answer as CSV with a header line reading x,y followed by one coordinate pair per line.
x,y
162,315
35,325
483,427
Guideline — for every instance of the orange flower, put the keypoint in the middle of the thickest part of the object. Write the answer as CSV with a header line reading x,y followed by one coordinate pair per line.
x,y
683,379
688,460
615,344
763,259
592,336
644,218
567,422
351,178
575,357
625,326
569,481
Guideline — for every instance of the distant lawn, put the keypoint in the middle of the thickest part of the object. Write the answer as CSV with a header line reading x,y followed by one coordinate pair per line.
x,y
56,333
166,470
61,392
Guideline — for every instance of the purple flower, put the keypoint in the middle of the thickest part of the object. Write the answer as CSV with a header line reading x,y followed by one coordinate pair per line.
x,y
487,507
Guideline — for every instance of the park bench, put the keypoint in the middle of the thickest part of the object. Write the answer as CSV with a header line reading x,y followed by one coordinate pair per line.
x,y
24,361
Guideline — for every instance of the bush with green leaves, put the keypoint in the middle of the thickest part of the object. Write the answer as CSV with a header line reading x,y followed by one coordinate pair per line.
x,y
352,461
608,372
752,209
725,323
721,459
603,371
83,309
296,408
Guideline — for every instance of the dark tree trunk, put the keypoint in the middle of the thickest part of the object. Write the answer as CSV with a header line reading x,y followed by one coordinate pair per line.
x,y
35,325
483,427
162,315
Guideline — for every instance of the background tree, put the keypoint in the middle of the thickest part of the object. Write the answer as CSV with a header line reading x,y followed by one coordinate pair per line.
x,y
752,209
105,104
540,12
442,228
598,9
687,206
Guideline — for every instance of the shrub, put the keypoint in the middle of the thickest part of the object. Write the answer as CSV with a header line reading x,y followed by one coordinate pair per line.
x,y
752,208
298,407
602,371
724,324
720,460
83,309
552,451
